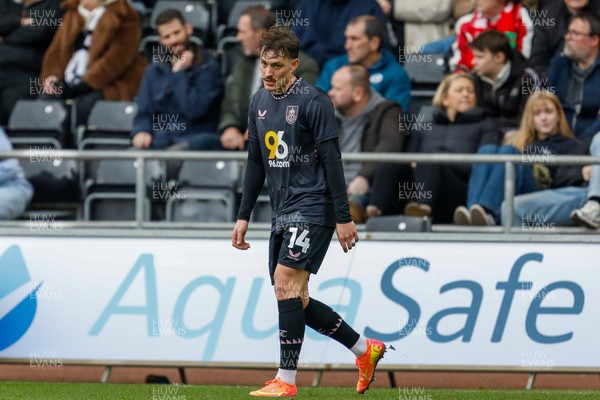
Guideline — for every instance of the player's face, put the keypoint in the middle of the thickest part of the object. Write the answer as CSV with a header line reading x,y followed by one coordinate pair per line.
x,y
545,119
277,71
358,46
247,36
341,91
579,45
460,96
174,35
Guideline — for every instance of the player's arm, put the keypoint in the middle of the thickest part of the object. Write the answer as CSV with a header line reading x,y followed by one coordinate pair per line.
x,y
254,178
331,157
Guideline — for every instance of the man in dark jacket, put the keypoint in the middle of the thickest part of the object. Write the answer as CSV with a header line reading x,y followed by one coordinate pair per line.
x,y
25,33
323,34
179,98
246,79
575,75
368,123
551,26
503,82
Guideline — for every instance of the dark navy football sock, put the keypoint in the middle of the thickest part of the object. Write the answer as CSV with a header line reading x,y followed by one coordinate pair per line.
x,y
327,322
291,332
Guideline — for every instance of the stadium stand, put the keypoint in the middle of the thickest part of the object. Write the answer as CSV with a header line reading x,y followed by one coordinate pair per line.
x,y
110,189
206,197
40,123
109,125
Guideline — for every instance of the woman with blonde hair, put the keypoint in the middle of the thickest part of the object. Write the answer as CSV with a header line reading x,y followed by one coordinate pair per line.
x,y
543,133
456,126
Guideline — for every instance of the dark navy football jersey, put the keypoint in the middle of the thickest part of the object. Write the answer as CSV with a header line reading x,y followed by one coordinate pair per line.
x,y
288,127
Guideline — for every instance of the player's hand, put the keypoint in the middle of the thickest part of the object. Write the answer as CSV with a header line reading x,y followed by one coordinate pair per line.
x,y
238,236
347,235
232,139
141,140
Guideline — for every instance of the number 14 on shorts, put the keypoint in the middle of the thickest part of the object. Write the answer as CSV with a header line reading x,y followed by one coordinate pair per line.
x,y
301,241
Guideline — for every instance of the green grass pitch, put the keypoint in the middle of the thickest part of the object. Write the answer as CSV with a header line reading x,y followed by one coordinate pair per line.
x,y
97,391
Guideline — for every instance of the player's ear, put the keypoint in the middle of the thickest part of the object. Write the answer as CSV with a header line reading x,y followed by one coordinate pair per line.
x,y
295,63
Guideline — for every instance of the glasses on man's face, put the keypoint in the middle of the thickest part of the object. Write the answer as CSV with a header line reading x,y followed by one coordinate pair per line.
x,y
576,34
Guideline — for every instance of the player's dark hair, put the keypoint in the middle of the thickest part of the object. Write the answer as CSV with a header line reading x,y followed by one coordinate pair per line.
x,y
281,41
169,15
373,28
359,77
592,19
260,17
494,41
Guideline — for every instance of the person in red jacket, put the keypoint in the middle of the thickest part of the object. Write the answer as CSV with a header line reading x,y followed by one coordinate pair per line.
x,y
501,15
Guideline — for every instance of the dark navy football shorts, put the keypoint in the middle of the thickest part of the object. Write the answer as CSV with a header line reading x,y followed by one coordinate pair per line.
x,y
302,246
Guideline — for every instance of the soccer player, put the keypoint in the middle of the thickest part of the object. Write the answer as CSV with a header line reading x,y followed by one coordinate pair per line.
x,y
292,140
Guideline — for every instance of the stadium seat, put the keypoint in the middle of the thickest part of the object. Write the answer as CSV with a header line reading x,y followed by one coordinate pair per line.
x,y
425,69
110,189
228,51
39,123
230,27
109,125
398,223
208,196
55,183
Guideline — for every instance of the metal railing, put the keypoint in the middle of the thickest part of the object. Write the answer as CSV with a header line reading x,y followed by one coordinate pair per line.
x,y
141,156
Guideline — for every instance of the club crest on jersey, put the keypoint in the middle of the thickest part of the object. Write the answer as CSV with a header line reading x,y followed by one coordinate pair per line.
x,y
291,114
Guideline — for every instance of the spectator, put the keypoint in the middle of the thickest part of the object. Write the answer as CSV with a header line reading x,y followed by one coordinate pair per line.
x,y
94,54
458,126
504,16
246,79
576,200
323,39
364,38
502,80
549,36
178,101
368,123
15,190
575,75
424,21
444,45
543,132
25,33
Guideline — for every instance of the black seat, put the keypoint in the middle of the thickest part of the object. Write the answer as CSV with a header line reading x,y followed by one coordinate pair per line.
x,y
207,192
109,125
228,51
39,122
110,189
55,180
398,223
